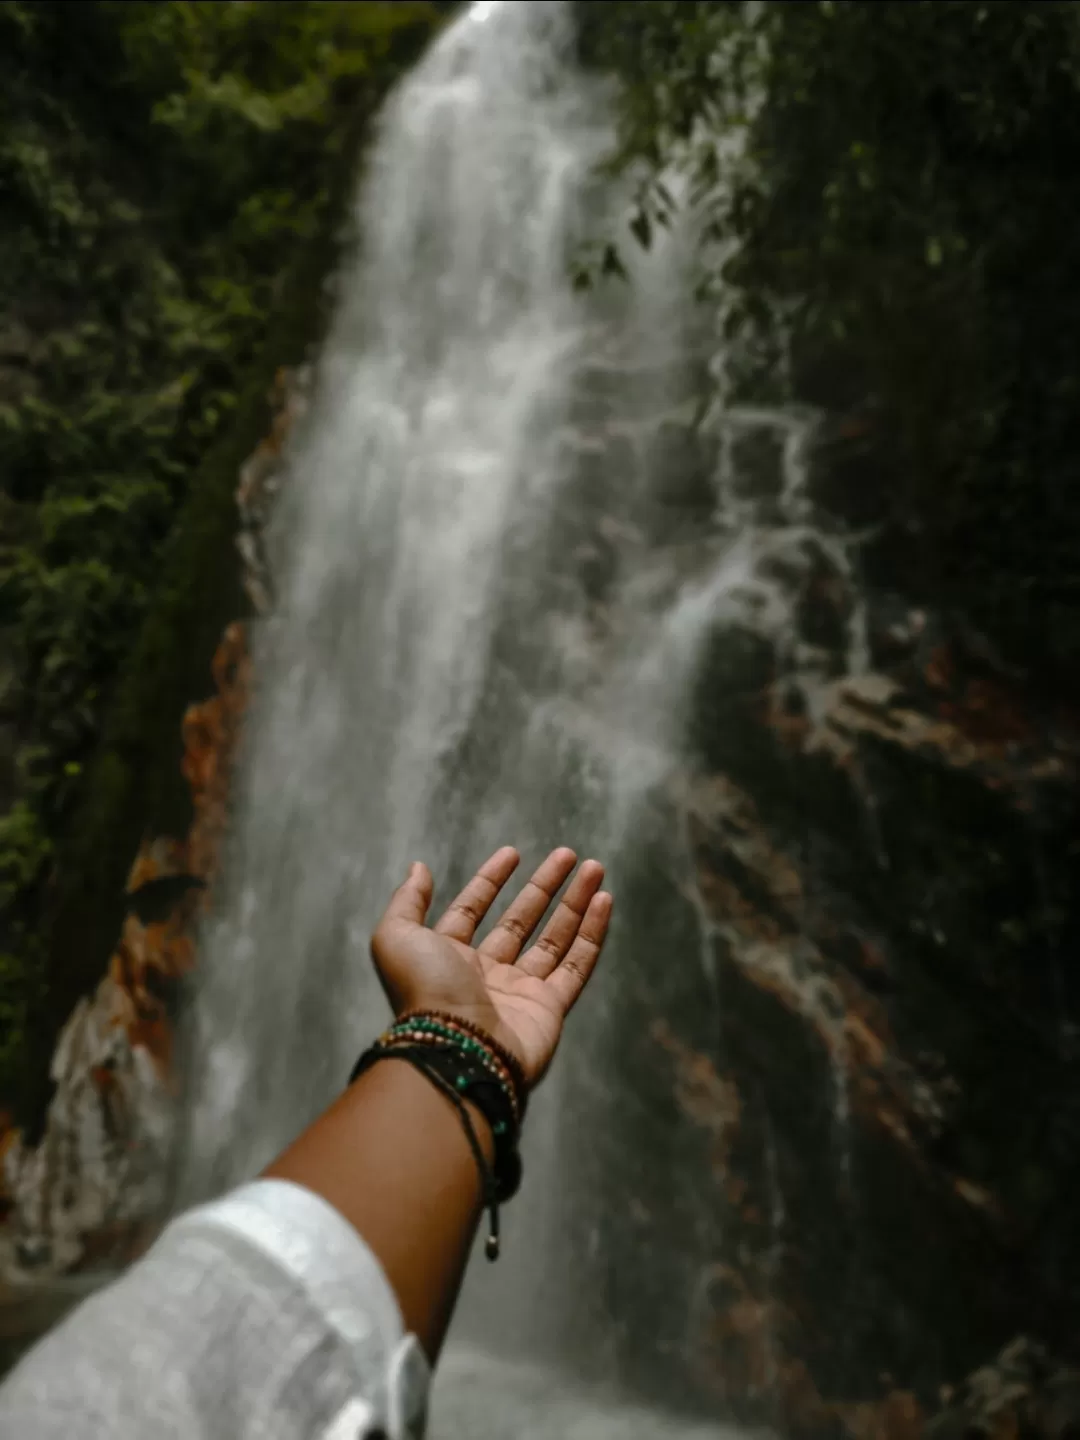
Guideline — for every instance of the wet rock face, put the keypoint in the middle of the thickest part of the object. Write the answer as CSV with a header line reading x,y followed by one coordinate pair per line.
x,y
861,1105
849,1050
883,821
93,1192
1024,1391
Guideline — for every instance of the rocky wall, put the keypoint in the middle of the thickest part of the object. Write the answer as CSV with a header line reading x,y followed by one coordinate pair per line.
x,y
830,1133
879,1056
92,1192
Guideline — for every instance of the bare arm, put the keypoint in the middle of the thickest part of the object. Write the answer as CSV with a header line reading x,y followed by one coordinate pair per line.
x,y
391,1155
260,1313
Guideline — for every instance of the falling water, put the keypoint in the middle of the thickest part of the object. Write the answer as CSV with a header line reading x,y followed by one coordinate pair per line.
x,y
493,589
428,473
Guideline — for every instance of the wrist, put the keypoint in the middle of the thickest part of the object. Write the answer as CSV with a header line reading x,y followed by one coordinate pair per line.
x,y
473,1078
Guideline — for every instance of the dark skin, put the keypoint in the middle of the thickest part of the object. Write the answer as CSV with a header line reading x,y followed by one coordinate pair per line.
x,y
391,1154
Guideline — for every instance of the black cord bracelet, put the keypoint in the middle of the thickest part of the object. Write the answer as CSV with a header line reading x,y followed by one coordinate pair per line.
x,y
452,1071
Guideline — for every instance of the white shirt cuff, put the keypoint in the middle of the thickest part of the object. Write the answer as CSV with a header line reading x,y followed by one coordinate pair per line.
x,y
304,1236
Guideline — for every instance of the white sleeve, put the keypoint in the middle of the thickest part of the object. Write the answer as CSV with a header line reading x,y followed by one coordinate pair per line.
x,y
261,1315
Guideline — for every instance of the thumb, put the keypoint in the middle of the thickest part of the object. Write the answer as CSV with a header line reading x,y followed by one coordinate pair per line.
x,y
410,900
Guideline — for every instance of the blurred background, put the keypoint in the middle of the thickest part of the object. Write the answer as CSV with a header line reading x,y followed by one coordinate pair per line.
x,y
649,426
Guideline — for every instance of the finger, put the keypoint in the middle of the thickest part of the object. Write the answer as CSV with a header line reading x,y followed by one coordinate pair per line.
x,y
561,930
464,914
410,900
569,978
521,919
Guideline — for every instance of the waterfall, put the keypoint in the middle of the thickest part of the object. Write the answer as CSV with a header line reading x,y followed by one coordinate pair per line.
x,y
430,463
506,534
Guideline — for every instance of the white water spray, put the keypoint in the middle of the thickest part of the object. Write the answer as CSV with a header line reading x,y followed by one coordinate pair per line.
x,y
489,619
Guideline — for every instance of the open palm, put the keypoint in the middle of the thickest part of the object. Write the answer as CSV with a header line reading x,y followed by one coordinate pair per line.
x,y
521,996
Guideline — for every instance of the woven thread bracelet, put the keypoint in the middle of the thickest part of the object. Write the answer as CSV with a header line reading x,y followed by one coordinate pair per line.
x,y
465,1063
436,1045
476,1072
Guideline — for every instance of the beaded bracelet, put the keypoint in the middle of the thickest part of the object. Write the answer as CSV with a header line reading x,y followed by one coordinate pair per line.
x,y
407,1039
465,1064
431,1027
458,1022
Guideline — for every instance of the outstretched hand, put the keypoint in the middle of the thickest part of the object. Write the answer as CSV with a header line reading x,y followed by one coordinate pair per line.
x,y
519,996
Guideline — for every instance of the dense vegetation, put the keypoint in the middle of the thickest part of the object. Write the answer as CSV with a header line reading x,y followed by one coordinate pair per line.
x,y
164,170
903,199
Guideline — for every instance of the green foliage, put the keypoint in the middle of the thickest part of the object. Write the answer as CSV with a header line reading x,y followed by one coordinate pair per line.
x,y
23,850
161,167
893,181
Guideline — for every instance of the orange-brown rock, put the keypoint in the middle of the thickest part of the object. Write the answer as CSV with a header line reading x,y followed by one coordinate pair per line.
x,y
93,1187
211,732
149,957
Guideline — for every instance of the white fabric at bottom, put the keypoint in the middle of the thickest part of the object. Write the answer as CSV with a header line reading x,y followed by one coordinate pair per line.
x,y
261,1315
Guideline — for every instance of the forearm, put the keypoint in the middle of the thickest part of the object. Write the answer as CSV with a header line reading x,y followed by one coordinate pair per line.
x,y
392,1157
265,1308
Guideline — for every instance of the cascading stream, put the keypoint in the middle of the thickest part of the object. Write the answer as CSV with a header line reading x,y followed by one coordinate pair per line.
x,y
494,583
429,455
